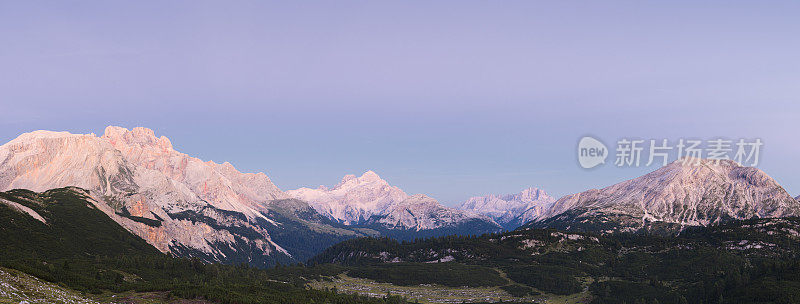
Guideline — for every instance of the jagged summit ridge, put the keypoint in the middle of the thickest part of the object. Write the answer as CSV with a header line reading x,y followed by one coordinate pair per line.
x,y
139,135
511,210
680,194
220,184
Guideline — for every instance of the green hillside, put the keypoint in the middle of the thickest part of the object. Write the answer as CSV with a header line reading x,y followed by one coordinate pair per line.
x,y
73,228
59,237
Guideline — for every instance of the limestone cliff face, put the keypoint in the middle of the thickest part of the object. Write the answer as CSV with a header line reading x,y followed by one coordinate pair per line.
x,y
679,194
178,203
219,184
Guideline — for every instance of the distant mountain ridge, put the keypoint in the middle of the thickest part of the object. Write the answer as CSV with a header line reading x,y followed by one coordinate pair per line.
x,y
673,197
370,201
511,210
354,199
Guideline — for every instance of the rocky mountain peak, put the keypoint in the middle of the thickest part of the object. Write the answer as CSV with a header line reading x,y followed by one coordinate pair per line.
x,y
683,193
354,199
370,176
345,179
139,137
369,179
137,133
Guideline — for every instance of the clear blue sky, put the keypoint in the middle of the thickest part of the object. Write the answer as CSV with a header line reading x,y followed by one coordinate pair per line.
x,y
450,99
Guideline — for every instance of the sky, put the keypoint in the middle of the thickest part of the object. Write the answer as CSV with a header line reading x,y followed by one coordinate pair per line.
x,y
447,98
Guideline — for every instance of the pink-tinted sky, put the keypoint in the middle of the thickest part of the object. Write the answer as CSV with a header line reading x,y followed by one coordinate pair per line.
x,y
451,99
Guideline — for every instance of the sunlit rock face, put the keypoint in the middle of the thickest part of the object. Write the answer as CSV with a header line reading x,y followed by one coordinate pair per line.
x,y
370,200
219,184
177,203
511,210
674,196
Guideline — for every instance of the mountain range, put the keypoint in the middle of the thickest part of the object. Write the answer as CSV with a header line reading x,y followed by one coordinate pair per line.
x,y
188,207
369,201
511,210
111,213
175,202
193,208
